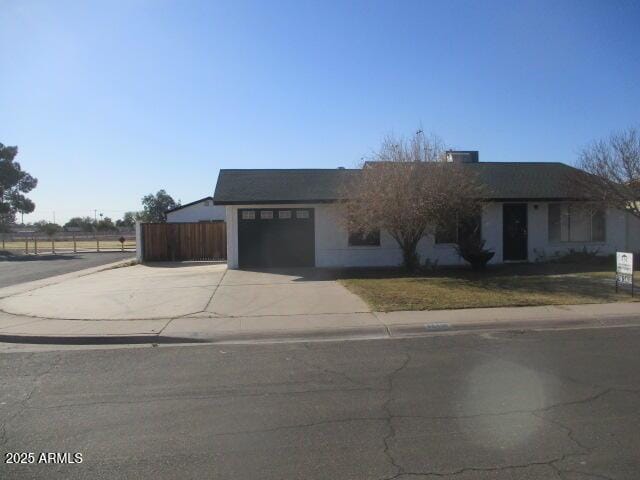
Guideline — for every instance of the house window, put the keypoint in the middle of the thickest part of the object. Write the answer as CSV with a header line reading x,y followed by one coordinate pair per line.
x,y
572,222
248,215
284,214
302,213
206,203
364,239
455,230
266,214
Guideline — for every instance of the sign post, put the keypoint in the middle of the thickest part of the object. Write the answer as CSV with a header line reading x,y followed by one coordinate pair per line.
x,y
624,270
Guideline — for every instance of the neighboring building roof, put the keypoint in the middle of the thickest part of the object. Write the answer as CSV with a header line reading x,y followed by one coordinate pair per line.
x,y
503,180
188,204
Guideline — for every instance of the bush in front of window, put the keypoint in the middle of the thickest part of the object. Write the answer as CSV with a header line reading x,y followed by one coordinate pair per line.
x,y
472,250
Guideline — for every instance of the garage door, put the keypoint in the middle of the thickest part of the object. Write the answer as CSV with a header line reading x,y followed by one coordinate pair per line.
x,y
276,237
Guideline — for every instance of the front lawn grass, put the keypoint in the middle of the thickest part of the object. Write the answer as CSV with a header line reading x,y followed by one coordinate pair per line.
x,y
499,286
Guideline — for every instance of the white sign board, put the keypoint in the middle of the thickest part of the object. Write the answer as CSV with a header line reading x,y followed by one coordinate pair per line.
x,y
624,268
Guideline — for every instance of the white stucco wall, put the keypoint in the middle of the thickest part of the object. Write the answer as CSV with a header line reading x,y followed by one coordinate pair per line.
x,y
332,248
332,242
198,212
633,234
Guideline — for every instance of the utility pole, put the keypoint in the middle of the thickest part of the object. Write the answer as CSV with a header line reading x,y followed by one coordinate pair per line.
x,y
54,216
95,215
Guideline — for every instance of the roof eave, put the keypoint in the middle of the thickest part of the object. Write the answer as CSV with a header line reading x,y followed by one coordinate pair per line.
x,y
274,202
188,204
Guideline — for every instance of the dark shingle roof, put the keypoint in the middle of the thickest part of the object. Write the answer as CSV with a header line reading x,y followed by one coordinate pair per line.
x,y
284,186
503,181
530,180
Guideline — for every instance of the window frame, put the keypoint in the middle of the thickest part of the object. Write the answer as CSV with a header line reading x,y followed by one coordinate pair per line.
x,y
594,210
250,215
359,239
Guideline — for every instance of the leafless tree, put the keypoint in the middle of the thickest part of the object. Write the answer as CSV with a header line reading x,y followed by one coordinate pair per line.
x,y
407,189
612,169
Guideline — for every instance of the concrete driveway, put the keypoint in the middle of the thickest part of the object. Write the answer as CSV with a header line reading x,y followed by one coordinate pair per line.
x,y
173,290
287,292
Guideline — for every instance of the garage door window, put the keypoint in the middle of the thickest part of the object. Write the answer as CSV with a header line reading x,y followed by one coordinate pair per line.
x,y
302,214
266,214
284,214
248,215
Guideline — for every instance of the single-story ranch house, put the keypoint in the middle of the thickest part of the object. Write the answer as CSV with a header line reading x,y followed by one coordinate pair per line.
x,y
283,218
202,210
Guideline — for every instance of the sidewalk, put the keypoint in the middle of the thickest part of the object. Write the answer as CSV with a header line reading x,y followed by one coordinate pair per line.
x,y
205,302
204,327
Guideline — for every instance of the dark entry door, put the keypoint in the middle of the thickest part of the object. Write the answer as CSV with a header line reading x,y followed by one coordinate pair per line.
x,y
276,237
514,231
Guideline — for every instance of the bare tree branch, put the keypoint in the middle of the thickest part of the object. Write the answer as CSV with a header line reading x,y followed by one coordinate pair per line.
x,y
611,172
407,189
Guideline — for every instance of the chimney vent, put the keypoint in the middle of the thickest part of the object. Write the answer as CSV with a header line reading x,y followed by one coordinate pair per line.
x,y
463,156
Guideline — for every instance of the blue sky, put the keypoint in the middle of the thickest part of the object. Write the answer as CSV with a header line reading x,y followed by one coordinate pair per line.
x,y
110,100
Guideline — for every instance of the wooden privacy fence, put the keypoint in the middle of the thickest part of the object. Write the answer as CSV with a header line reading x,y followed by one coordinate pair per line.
x,y
184,241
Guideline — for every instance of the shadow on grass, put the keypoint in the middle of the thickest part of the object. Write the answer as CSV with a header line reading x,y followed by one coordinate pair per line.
x,y
502,285
492,271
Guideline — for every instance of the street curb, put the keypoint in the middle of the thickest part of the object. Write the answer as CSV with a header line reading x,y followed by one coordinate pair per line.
x,y
344,333
94,339
524,325
331,334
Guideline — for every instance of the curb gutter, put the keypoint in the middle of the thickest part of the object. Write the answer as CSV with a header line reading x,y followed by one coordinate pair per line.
x,y
335,334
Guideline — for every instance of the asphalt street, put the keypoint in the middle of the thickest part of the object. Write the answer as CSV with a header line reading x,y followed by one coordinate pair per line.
x,y
533,405
16,269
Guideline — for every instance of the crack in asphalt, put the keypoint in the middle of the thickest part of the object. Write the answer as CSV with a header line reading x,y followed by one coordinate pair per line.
x,y
584,450
390,384
533,411
4,438
325,370
389,418
303,425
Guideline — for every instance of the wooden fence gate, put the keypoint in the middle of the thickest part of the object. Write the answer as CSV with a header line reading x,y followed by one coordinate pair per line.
x,y
184,241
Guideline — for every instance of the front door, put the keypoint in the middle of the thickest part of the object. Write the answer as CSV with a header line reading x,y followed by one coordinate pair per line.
x,y
514,232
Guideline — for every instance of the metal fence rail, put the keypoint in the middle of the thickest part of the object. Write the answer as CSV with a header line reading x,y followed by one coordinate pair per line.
x,y
37,243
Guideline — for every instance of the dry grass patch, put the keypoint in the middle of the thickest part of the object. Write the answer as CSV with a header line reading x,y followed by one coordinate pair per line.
x,y
500,287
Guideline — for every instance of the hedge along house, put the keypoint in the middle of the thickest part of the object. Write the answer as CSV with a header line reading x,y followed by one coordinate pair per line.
x,y
286,218
202,210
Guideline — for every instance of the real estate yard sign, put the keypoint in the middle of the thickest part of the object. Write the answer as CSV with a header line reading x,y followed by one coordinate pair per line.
x,y
624,269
